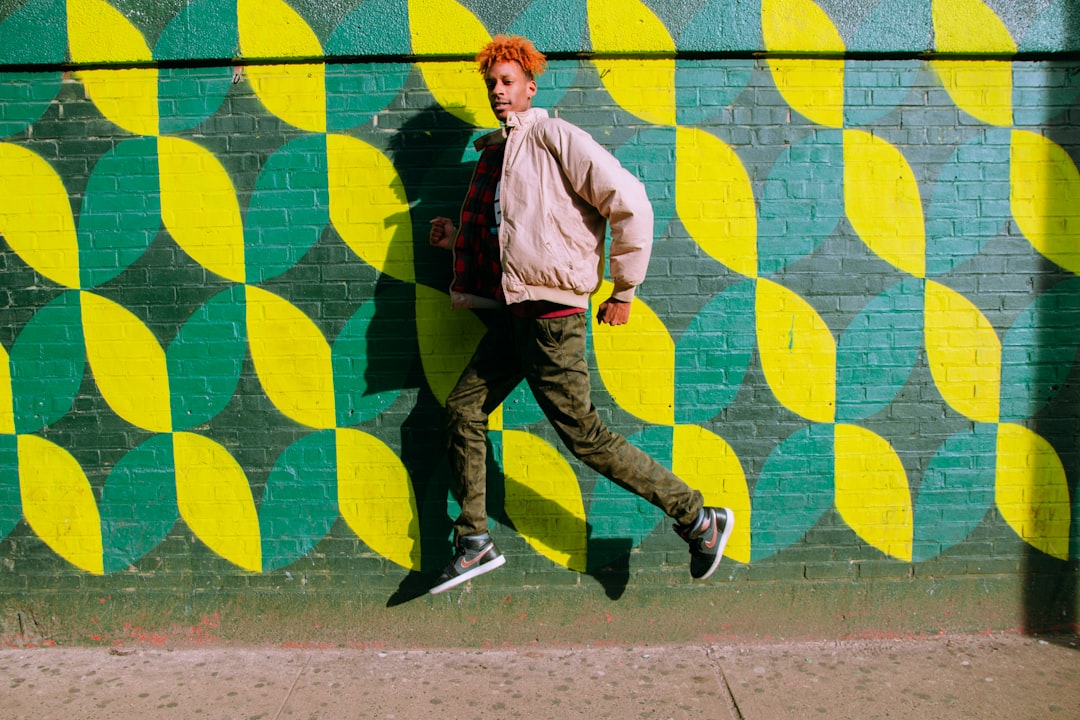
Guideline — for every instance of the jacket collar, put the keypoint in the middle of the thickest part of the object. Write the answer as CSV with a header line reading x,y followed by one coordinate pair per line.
x,y
514,120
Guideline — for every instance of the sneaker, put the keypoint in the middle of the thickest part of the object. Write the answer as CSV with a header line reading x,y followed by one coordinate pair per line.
x,y
707,537
473,555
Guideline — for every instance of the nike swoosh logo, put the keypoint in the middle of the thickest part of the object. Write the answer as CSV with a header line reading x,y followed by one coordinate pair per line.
x,y
711,542
468,564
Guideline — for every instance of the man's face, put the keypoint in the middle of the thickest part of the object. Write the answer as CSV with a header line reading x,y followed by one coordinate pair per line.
x,y
509,89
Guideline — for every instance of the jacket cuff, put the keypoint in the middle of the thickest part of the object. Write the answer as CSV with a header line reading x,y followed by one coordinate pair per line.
x,y
624,295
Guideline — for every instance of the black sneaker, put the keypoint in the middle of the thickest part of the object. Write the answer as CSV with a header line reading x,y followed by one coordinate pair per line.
x,y
707,537
473,555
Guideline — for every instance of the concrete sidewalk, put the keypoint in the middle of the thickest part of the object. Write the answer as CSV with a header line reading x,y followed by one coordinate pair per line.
x,y
957,676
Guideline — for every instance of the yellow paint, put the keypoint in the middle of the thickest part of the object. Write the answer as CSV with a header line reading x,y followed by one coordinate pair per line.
x,y
881,196
445,28
981,88
128,363
543,499
715,200
645,88
447,339
627,26
798,352
872,493
99,33
708,463
637,362
296,93
1044,192
7,400
58,503
812,87
376,499
1032,490
199,207
963,352
35,215
292,359
969,26
215,500
369,207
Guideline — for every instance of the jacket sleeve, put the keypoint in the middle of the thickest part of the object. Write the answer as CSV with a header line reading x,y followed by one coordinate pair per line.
x,y
600,180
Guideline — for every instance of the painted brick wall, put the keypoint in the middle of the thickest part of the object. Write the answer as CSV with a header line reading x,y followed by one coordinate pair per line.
x,y
225,342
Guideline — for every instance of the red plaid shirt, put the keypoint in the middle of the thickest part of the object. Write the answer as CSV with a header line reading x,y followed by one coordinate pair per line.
x,y
477,269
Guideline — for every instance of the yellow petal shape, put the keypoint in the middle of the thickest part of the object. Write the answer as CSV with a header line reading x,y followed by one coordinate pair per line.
x,y
813,87
59,504
543,499
128,363
645,88
969,26
215,500
99,33
295,93
715,200
369,207
1044,191
981,88
35,215
447,339
798,352
7,406
199,207
446,28
376,498
881,196
964,353
292,359
708,463
872,493
637,362
1032,490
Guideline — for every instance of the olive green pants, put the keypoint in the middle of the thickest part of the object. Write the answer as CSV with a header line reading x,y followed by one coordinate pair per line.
x,y
550,355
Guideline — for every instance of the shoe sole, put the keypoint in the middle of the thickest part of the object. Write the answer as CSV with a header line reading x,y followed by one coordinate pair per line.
x,y
721,544
469,574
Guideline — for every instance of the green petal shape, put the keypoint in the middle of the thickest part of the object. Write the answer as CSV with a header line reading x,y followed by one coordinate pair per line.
x,y
203,29
795,488
894,26
878,350
138,503
725,25
956,490
121,212
703,88
355,92
866,97
1039,351
205,359
648,156
373,27
36,32
969,205
713,353
299,503
553,25
25,97
802,200
188,96
520,407
372,356
10,497
619,520
289,208
48,361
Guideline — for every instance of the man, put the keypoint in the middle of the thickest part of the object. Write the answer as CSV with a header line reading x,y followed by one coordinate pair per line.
x,y
530,248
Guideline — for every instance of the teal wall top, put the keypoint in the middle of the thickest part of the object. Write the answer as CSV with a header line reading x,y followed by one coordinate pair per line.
x,y
78,33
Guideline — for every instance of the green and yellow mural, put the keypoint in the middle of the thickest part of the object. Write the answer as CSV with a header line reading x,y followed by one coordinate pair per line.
x,y
220,315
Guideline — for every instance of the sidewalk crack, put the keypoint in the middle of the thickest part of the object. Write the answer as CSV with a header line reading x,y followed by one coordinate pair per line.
x,y
725,687
285,700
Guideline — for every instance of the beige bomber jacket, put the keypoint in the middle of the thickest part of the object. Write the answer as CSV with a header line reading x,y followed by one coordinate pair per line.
x,y
559,190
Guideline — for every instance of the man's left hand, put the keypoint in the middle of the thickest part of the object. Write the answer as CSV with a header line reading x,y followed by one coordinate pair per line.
x,y
613,312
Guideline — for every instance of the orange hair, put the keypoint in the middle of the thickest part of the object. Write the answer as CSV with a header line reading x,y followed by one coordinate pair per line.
x,y
507,48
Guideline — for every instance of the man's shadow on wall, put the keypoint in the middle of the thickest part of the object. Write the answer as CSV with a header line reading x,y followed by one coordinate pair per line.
x,y
434,158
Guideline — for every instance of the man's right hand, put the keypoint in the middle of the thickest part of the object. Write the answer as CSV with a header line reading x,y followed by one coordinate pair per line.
x,y
442,233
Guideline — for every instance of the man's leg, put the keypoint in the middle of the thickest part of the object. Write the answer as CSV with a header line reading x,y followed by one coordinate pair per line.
x,y
553,357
